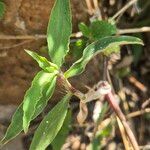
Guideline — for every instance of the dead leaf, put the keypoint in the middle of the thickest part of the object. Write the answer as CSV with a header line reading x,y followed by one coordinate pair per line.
x,y
83,112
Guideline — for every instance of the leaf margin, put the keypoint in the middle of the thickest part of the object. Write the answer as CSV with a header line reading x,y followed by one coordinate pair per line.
x,y
39,131
99,49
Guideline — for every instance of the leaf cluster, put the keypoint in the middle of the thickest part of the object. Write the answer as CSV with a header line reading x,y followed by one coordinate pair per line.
x,y
43,84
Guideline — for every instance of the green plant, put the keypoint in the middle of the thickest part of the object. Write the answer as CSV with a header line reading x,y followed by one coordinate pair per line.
x,y
2,9
43,84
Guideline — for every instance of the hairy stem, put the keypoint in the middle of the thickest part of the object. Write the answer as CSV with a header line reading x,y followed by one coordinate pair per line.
x,y
111,99
69,87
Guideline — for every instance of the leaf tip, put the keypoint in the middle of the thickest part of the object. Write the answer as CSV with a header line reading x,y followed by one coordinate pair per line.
x,y
142,43
25,129
25,125
28,51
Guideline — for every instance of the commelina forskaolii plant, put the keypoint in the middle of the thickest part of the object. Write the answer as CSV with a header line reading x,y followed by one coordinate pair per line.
x,y
43,85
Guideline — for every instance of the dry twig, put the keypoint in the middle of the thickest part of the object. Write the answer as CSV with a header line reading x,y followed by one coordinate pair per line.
x,y
15,45
134,30
138,113
121,11
76,35
22,37
89,6
137,84
32,37
123,134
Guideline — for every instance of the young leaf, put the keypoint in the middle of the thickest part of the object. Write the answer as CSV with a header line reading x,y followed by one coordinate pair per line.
x,y
50,125
34,95
85,30
59,31
104,45
62,134
43,62
16,125
98,29
2,9
101,28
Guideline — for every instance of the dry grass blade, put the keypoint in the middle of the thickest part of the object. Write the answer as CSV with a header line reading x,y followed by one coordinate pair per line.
x,y
124,136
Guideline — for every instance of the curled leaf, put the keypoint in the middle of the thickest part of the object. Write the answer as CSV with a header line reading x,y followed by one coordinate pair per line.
x,y
34,95
16,125
83,112
106,45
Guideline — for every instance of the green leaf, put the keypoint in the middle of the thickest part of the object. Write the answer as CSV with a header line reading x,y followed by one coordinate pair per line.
x,y
77,48
16,125
84,29
43,62
106,131
50,126
59,31
47,92
100,29
34,95
2,9
62,134
101,46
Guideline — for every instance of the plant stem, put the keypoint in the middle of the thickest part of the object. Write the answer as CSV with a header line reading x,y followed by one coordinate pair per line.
x,y
111,99
138,113
69,87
